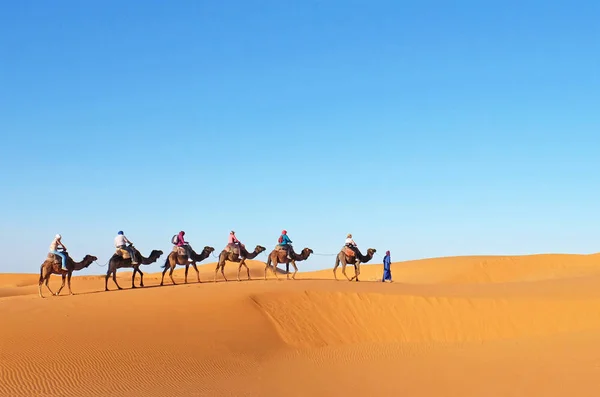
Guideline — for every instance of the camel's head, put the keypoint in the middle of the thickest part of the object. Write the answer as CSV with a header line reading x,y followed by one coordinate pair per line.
x,y
208,249
259,249
88,259
156,254
307,251
371,251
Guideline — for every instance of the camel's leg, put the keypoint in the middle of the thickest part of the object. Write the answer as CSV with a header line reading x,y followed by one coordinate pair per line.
x,y
171,274
356,271
337,263
274,269
69,283
344,271
223,271
243,263
187,267
197,272
133,277
106,280
136,269
114,277
48,286
63,275
216,271
295,270
266,266
46,281
41,281
162,279
287,269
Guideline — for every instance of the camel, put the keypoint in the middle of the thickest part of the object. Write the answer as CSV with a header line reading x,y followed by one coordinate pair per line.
x,y
53,265
118,262
346,256
229,255
279,256
174,259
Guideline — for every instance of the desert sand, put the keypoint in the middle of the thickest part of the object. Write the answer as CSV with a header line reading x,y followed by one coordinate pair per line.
x,y
460,326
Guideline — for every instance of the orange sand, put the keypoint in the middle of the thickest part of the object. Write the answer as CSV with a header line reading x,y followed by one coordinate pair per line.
x,y
463,326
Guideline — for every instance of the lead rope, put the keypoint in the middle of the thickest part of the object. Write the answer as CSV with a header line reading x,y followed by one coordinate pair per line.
x,y
102,265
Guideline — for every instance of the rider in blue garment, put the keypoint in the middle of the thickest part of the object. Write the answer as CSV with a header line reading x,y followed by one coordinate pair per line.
x,y
284,241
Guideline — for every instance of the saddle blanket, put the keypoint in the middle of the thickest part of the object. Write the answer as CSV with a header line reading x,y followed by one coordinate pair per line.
x,y
55,258
232,248
123,253
180,251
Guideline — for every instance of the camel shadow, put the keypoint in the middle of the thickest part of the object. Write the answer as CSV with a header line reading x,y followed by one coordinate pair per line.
x,y
128,289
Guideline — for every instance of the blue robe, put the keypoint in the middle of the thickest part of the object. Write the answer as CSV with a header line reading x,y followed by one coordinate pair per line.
x,y
387,268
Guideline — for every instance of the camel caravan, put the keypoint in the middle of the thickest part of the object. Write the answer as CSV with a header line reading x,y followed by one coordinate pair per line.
x,y
126,256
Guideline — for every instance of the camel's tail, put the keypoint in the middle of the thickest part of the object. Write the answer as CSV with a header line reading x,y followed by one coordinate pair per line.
x,y
166,263
337,260
41,274
269,260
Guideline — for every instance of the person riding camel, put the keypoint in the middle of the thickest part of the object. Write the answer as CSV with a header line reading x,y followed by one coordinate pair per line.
x,y
284,241
121,242
233,242
55,245
182,243
352,245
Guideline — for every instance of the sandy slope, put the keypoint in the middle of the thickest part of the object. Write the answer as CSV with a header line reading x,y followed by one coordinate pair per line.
x,y
464,326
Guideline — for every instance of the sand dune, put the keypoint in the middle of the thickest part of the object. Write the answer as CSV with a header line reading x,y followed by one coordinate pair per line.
x,y
476,326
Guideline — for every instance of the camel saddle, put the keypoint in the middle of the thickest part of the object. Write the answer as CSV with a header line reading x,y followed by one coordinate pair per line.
x,y
56,259
235,249
280,247
123,253
348,252
180,251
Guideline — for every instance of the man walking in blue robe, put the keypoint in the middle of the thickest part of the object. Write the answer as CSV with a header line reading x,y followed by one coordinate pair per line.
x,y
387,268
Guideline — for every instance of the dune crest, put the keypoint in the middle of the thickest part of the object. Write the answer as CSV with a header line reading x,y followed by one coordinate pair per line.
x,y
317,318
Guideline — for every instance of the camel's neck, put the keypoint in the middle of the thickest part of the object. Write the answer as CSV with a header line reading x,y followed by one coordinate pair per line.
x,y
81,265
301,257
200,257
146,261
252,255
366,258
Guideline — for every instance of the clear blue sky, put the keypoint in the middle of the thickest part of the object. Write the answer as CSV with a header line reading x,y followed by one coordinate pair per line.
x,y
429,128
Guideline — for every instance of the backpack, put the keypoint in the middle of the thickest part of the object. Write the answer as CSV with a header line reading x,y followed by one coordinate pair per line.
x,y
174,239
280,239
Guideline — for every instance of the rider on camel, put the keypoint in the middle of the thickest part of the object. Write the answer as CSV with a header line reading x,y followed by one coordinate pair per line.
x,y
234,242
182,243
352,245
121,242
55,245
284,241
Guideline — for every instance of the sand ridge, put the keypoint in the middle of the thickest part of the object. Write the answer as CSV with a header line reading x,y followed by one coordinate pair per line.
x,y
494,326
